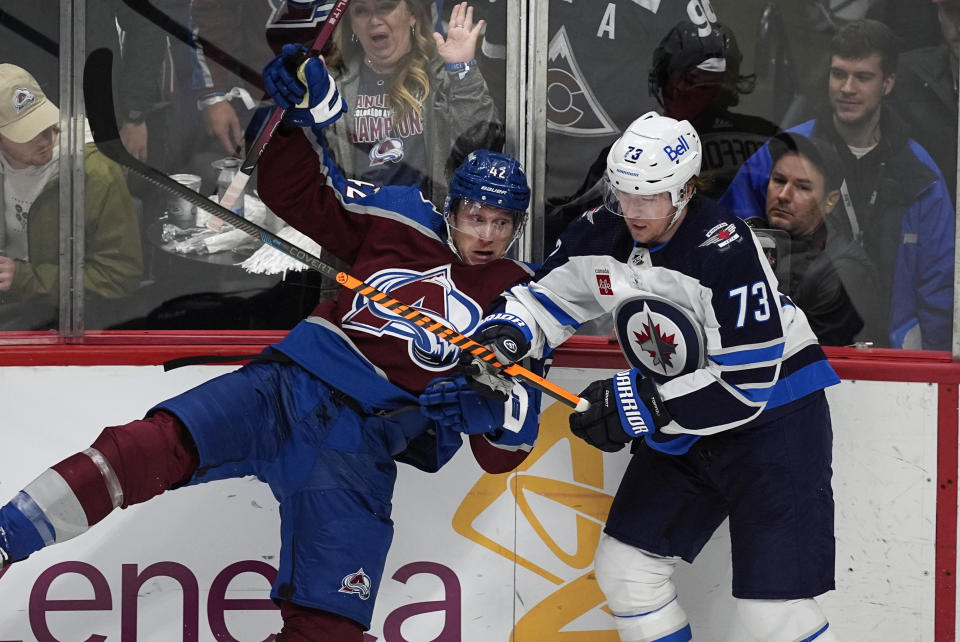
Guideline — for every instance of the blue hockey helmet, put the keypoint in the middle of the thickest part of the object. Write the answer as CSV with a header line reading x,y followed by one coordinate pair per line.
x,y
491,178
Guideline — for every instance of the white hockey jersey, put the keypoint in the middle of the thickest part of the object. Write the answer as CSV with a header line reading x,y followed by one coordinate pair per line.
x,y
699,314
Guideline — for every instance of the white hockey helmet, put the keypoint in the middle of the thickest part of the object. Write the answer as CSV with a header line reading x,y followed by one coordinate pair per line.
x,y
655,154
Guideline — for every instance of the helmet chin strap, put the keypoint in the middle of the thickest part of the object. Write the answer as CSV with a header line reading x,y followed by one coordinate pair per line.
x,y
450,242
680,205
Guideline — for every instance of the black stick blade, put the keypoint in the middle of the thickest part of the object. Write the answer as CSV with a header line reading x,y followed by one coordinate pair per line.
x,y
98,96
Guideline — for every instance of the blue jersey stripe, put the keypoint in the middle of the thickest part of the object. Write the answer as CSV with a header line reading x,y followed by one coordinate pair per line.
x,y
757,394
744,357
555,310
815,376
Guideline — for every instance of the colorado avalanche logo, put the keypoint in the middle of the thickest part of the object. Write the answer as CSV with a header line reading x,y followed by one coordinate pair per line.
x,y
21,98
358,584
386,151
433,293
659,337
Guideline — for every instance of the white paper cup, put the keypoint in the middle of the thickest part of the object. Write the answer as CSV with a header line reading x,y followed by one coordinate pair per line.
x,y
182,212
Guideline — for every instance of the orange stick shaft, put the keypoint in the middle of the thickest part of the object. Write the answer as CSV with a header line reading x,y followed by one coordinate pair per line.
x,y
461,341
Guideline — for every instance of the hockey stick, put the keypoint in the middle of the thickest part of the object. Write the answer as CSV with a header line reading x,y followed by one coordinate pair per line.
x,y
240,179
98,96
186,35
25,31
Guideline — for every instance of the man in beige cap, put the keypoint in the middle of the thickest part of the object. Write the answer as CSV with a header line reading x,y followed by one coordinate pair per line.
x,y
26,113
30,213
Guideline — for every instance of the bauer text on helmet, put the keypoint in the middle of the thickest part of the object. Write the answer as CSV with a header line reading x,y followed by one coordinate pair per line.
x,y
486,206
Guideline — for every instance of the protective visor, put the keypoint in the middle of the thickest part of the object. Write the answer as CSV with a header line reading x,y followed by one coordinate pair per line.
x,y
645,206
485,221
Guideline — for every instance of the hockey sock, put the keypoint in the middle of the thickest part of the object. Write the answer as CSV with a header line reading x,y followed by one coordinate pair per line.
x,y
149,456
126,465
304,624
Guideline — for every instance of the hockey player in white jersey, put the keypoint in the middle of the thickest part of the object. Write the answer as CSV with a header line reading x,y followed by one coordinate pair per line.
x,y
723,404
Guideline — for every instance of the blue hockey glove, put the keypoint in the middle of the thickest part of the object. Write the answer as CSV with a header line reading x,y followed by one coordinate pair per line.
x,y
304,89
621,409
453,405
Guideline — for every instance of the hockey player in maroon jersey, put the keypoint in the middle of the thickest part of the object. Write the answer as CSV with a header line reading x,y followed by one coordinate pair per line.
x,y
322,415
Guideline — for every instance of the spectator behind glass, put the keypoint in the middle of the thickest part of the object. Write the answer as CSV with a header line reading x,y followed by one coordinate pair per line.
x,y
695,76
29,226
926,92
598,57
830,276
418,104
896,200
227,71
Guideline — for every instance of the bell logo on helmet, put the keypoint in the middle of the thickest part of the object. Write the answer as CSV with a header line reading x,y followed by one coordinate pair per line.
x,y
673,153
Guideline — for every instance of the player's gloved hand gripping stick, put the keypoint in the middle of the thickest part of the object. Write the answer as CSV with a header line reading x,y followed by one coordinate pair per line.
x,y
98,97
241,178
622,408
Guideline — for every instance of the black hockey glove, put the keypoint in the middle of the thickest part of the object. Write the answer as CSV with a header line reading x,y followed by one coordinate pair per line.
x,y
509,338
506,334
621,409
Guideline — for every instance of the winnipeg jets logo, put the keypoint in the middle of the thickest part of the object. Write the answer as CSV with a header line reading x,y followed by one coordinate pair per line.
x,y
572,107
434,294
659,346
659,337
386,151
358,584
722,235
21,98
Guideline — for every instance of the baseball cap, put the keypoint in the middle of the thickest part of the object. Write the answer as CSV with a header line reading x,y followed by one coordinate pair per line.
x,y
24,109
818,151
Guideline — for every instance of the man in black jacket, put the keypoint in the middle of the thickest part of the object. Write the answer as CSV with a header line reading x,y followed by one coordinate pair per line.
x,y
829,275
